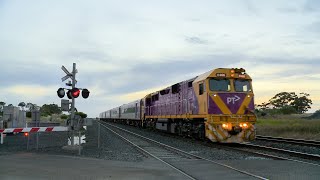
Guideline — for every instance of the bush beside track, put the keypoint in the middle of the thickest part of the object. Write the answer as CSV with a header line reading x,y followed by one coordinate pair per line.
x,y
290,126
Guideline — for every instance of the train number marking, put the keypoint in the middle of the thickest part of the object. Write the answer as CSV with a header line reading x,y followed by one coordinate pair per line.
x,y
233,99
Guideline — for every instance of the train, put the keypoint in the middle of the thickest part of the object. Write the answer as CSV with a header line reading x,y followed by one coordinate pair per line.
x,y
217,106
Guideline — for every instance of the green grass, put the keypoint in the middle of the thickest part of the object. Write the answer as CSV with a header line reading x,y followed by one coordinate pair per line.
x,y
293,126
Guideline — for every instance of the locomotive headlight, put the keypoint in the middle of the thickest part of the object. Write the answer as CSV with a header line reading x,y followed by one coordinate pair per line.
x,y
244,125
227,126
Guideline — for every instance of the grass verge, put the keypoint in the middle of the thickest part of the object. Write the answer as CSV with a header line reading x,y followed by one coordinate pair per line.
x,y
290,126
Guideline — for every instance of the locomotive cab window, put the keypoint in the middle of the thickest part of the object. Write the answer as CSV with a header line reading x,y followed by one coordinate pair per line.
x,y
201,89
242,85
219,85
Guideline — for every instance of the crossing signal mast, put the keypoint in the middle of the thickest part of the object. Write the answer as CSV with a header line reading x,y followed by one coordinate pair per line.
x,y
72,94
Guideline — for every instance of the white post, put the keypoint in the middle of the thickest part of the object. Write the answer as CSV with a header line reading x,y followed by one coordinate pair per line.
x,y
1,138
99,134
79,142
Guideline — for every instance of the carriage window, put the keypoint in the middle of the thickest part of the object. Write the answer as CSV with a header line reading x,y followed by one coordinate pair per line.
x,y
175,88
155,97
148,101
242,85
219,85
165,91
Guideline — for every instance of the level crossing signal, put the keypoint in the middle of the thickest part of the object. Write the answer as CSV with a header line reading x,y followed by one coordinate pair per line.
x,y
75,92
61,92
85,93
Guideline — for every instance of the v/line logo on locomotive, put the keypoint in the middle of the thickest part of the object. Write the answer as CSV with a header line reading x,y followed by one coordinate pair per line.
x,y
218,105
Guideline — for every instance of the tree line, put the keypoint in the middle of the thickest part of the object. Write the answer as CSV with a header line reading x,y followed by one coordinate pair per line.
x,y
46,109
285,103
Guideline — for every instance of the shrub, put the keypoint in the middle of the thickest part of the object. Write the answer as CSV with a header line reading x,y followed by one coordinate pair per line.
x,y
315,115
83,115
64,116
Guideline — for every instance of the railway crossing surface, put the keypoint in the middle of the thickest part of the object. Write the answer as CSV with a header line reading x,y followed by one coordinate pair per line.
x,y
22,166
117,159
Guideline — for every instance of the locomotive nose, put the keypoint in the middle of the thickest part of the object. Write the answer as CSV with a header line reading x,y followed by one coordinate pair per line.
x,y
236,130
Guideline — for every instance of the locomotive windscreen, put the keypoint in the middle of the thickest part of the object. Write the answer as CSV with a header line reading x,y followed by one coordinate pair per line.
x,y
219,85
242,85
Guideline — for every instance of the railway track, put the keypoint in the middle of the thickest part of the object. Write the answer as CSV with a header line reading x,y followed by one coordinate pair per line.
x,y
253,147
289,140
189,165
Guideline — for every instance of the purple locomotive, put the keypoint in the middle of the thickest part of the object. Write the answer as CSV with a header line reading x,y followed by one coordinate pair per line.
x,y
218,105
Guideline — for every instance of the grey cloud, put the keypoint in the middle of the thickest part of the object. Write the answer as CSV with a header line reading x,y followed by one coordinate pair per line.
x,y
145,76
312,6
287,60
288,10
28,74
196,40
87,54
314,27
250,7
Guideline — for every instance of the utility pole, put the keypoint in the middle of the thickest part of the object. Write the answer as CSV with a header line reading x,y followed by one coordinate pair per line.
x,y
72,103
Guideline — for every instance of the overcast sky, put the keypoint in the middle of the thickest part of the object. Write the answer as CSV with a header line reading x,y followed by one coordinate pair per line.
x,y
125,49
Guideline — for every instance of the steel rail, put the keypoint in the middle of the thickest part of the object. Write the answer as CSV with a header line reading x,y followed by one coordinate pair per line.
x,y
295,153
289,140
269,155
186,153
147,152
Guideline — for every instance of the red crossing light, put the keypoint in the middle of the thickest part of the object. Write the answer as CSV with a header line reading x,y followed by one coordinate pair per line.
x,y
75,92
26,134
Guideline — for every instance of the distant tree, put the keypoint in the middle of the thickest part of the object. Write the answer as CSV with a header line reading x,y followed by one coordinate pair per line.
x,y
264,106
82,114
2,104
302,104
22,105
49,109
64,116
10,105
315,115
287,110
282,99
285,103
32,107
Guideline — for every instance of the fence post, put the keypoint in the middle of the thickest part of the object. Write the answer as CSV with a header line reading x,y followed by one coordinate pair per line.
x,y
1,138
37,141
79,142
99,134
28,141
